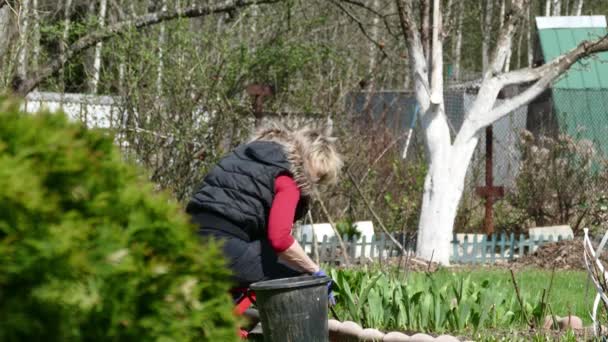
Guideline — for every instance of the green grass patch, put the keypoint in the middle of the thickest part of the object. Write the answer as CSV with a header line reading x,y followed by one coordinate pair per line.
x,y
568,293
467,301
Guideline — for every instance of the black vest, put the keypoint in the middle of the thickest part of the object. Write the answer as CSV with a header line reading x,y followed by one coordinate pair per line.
x,y
237,194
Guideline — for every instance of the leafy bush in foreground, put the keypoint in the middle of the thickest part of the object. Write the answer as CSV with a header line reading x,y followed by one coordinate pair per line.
x,y
89,252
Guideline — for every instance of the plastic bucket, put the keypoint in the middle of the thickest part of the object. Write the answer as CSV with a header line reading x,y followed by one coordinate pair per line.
x,y
293,309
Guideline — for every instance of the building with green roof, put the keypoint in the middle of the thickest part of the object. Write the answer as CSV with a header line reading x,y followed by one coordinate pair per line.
x,y
577,102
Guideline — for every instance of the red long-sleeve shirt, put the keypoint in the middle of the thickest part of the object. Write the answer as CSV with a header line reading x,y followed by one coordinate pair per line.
x,y
282,213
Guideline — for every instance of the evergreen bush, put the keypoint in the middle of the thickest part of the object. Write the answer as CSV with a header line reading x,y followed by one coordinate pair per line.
x,y
88,250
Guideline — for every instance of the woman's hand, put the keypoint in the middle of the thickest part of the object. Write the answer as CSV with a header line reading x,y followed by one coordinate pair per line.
x,y
295,257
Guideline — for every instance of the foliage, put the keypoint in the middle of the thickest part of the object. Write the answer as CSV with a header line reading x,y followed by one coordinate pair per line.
x,y
439,302
88,251
392,186
556,182
349,229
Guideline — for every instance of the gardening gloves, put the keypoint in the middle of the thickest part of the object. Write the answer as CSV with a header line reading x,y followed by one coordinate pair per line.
x,y
330,297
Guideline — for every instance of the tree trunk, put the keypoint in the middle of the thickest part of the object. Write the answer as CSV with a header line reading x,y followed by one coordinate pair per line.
x,y
530,47
22,64
374,34
443,188
487,34
578,8
548,7
94,82
6,31
557,7
425,29
161,46
35,35
67,10
457,53
502,14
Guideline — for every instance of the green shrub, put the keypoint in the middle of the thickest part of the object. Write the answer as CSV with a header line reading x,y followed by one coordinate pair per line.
x,y
88,251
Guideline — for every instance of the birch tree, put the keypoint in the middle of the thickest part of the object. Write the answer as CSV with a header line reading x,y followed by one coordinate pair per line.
x,y
24,13
449,159
25,82
94,83
578,7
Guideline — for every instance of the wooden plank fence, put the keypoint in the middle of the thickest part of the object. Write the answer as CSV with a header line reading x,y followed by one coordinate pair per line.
x,y
480,249
379,248
498,247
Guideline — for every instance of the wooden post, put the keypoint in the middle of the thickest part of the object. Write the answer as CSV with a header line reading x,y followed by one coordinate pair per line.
x,y
490,192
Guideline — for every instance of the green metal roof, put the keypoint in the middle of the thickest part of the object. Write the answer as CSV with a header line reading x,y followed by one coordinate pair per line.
x,y
584,74
580,96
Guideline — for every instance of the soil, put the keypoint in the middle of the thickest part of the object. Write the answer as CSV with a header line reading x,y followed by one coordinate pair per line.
x,y
562,255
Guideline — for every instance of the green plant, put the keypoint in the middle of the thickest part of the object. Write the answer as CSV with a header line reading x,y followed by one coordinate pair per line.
x,y
436,302
347,228
88,250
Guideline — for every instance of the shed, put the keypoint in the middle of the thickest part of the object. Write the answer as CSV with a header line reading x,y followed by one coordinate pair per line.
x,y
577,103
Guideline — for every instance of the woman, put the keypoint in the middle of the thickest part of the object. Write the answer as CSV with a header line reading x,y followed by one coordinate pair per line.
x,y
251,199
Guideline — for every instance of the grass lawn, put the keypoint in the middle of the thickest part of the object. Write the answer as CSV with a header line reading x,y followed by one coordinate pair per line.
x,y
569,292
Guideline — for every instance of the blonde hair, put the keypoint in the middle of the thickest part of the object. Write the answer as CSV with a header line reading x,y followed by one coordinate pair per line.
x,y
311,152
322,159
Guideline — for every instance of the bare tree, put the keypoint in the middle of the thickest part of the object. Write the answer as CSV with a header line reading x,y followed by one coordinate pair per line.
x,y
557,7
457,50
24,84
448,160
578,8
486,29
67,22
94,81
24,13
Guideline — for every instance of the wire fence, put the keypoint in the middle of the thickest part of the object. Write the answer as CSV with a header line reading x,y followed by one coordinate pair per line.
x,y
582,114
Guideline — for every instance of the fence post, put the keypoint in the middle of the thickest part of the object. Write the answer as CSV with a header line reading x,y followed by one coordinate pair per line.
x,y
455,255
465,249
372,247
475,256
484,248
502,245
512,246
493,248
362,256
382,244
323,254
522,244
303,242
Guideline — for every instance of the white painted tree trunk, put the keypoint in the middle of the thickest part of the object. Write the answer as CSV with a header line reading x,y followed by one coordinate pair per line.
x,y
548,8
443,187
94,83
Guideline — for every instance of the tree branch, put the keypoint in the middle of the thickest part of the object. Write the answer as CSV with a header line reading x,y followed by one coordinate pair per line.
x,y
417,61
22,87
550,72
361,26
437,56
505,39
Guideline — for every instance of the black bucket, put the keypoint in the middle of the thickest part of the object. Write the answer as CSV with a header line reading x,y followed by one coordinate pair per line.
x,y
293,309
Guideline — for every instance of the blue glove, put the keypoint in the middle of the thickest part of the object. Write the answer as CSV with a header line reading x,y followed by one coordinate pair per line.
x,y
330,296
